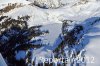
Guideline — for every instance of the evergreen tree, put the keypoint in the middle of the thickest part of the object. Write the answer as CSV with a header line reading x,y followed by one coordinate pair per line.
x,y
15,36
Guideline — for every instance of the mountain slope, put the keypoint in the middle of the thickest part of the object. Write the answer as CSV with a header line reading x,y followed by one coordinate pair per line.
x,y
92,48
51,14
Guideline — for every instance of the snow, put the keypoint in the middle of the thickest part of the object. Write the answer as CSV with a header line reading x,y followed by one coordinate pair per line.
x,y
50,16
13,1
51,19
21,55
93,46
54,31
52,39
2,62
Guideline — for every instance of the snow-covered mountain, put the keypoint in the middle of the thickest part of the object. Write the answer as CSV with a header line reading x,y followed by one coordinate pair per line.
x,y
59,3
51,14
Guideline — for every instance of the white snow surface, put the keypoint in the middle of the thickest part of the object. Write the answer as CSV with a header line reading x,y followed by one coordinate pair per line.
x,y
51,19
13,1
93,46
2,62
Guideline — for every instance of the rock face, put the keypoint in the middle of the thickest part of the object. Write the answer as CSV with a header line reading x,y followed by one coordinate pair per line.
x,y
57,3
46,3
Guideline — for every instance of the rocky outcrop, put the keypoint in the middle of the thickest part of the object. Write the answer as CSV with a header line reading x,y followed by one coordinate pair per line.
x,y
57,3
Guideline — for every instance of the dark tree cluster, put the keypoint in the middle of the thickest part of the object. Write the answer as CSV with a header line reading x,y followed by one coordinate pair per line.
x,y
70,38
15,36
10,7
25,18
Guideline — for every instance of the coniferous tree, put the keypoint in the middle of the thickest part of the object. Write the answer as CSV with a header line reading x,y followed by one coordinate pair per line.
x,y
15,37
